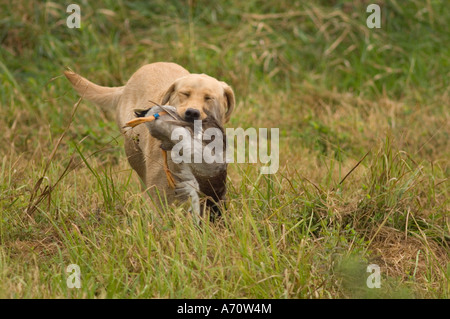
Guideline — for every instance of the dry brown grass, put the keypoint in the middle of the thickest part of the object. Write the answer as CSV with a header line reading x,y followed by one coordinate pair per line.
x,y
336,90
412,258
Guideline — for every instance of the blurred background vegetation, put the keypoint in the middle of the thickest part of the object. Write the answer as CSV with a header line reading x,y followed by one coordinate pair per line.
x,y
336,89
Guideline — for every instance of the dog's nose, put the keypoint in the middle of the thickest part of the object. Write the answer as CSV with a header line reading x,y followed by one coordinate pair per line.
x,y
191,114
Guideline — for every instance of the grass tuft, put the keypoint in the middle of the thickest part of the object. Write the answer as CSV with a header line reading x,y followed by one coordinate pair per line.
x,y
364,148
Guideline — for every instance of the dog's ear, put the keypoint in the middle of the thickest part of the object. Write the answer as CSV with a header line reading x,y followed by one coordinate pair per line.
x,y
229,96
168,94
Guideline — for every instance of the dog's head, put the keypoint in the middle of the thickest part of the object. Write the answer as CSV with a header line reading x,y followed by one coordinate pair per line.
x,y
195,95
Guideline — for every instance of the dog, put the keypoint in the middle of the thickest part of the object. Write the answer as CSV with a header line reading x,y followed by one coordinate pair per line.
x,y
193,96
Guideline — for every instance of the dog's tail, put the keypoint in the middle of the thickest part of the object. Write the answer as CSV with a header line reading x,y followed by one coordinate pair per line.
x,y
105,97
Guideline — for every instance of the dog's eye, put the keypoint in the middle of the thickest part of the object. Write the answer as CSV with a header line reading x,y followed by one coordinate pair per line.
x,y
209,98
186,94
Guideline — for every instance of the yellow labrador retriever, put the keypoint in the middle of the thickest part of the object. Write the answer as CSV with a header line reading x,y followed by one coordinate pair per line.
x,y
193,96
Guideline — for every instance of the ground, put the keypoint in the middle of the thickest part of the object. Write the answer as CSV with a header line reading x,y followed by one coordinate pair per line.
x,y
363,116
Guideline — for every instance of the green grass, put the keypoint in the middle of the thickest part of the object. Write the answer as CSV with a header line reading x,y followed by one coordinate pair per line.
x,y
364,152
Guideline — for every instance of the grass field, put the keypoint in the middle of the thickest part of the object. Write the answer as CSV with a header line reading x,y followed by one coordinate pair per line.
x,y
364,151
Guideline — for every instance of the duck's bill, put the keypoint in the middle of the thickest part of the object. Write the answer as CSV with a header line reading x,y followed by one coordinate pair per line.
x,y
140,120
